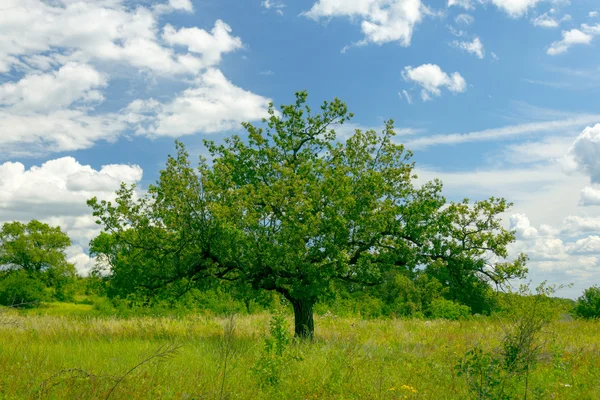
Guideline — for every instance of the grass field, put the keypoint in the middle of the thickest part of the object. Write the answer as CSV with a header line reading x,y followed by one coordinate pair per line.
x,y
67,352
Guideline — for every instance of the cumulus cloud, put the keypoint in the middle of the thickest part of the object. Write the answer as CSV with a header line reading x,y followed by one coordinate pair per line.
x,y
583,36
184,5
584,154
56,193
382,21
590,196
57,60
588,245
86,31
539,245
515,8
576,225
569,38
53,90
521,225
211,46
475,47
212,104
431,78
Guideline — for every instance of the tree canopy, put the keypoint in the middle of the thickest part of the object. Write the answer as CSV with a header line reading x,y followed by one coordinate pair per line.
x,y
294,210
35,252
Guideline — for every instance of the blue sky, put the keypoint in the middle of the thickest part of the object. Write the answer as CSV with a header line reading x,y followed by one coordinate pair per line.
x,y
495,97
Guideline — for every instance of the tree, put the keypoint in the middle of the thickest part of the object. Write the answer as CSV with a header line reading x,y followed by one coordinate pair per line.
x,y
588,304
36,251
295,211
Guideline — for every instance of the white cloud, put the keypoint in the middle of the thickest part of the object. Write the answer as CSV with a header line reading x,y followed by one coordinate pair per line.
x,y
56,193
212,104
547,149
549,20
542,230
276,5
576,225
62,130
407,96
382,21
569,38
65,54
211,45
593,14
86,31
515,8
522,226
590,196
431,78
588,245
591,29
475,47
184,5
464,19
505,132
466,4
584,154
59,186
53,90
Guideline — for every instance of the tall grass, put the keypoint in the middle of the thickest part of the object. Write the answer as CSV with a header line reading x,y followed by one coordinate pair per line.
x,y
349,359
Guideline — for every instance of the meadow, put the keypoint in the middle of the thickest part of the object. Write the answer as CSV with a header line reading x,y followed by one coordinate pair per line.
x,y
69,351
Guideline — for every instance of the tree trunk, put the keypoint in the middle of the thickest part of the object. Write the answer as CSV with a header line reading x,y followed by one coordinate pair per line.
x,y
304,324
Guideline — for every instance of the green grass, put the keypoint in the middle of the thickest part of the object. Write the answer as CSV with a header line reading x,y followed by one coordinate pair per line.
x,y
68,352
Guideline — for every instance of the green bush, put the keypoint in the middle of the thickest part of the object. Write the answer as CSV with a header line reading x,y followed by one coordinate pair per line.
x,y
447,309
588,305
18,289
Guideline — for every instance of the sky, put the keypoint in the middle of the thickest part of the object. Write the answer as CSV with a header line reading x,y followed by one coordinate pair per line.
x,y
494,97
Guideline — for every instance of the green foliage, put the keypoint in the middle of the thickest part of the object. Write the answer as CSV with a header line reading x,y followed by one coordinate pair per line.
x,y
18,289
588,305
274,357
504,372
448,309
295,211
38,251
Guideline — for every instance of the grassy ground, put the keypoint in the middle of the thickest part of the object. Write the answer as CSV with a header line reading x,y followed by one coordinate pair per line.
x,y
68,353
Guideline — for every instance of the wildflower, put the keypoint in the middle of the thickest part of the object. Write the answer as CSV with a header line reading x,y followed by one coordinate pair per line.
x,y
409,388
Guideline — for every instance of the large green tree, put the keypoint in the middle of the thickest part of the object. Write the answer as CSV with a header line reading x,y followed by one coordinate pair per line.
x,y
292,209
36,250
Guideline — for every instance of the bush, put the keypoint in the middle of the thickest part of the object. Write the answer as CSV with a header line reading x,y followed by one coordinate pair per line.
x,y
588,305
447,309
18,289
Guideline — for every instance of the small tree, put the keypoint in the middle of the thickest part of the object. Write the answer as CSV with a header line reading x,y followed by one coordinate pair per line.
x,y
294,211
34,251
588,305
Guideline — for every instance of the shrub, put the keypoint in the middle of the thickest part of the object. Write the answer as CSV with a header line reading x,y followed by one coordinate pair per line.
x,y
588,305
267,369
18,289
447,309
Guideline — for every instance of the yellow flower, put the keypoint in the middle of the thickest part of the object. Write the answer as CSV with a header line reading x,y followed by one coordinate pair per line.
x,y
409,388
